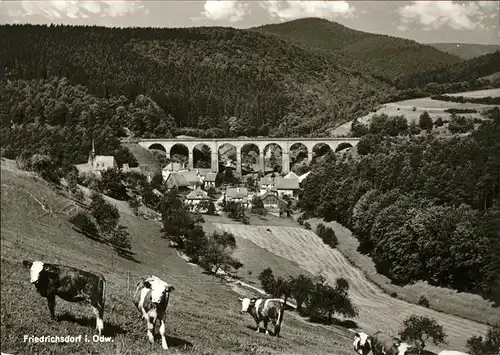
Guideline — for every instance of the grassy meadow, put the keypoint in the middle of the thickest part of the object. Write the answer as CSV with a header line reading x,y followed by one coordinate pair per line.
x,y
203,315
377,310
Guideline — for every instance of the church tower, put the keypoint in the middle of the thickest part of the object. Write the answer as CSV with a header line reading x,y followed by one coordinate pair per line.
x,y
92,155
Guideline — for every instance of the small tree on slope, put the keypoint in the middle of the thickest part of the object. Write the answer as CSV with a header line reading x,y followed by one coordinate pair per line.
x,y
420,329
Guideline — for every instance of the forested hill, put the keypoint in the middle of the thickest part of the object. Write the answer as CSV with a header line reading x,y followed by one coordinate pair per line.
x,y
200,76
466,50
468,70
385,56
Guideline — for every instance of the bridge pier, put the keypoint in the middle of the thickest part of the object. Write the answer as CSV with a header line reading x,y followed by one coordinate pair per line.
x,y
215,162
190,159
238,162
285,158
262,166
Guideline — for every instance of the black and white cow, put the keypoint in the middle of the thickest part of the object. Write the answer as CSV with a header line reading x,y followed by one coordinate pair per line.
x,y
151,299
264,310
379,343
70,284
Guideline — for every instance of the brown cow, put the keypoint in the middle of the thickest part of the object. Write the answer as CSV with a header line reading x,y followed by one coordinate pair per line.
x,y
70,284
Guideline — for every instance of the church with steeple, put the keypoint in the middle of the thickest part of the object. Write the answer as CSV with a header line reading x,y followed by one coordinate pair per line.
x,y
97,163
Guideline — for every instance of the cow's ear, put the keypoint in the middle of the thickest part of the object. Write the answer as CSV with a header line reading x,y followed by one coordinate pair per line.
x,y
240,299
27,264
170,288
146,284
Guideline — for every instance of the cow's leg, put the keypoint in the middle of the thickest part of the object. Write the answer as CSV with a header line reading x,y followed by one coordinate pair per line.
x,y
99,315
162,333
51,301
257,326
151,328
266,322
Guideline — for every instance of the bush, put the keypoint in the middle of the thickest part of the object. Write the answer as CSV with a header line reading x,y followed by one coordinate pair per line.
x,y
267,280
424,302
307,226
394,294
106,215
490,345
134,204
439,122
84,222
329,237
120,239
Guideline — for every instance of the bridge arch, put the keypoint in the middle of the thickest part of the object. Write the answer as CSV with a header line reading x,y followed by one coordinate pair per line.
x,y
251,157
180,153
227,154
342,146
202,156
298,154
273,157
158,146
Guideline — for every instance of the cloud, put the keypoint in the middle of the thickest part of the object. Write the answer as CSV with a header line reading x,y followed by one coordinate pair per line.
x,y
433,15
218,10
286,10
74,9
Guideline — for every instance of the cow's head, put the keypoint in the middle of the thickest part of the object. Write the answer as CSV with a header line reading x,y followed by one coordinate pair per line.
x,y
362,343
159,289
247,303
36,268
402,348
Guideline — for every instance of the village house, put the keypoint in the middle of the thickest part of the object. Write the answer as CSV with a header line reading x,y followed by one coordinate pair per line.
x,y
170,168
183,180
273,204
289,187
209,180
97,163
303,176
266,183
291,175
195,197
237,194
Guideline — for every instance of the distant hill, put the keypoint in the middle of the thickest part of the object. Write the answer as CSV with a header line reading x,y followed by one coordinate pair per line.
x,y
384,56
466,50
469,70
200,76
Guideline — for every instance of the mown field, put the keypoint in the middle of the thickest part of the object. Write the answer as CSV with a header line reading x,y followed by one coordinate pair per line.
x,y
412,109
377,310
203,315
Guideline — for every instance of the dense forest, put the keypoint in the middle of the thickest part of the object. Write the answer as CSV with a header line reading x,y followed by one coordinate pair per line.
x,y
384,56
199,76
423,207
466,50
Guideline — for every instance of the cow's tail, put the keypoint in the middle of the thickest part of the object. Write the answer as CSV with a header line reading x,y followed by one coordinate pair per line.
x,y
281,313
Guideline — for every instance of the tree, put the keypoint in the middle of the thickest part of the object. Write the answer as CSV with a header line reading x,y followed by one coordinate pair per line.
x,y
83,221
490,345
120,239
106,214
419,329
257,205
282,288
358,129
211,191
301,287
196,243
111,184
72,180
439,122
218,253
425,121
177,220
460,124
267,280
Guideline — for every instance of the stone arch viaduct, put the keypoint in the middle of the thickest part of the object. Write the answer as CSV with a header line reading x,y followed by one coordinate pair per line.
x,y
238,143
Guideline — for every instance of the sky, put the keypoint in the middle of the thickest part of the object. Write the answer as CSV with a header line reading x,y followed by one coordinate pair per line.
x,y
423,21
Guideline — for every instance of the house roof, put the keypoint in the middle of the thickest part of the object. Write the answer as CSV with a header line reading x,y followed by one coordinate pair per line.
x,y
191,176
197,194
83,168
173,166
211,177
204,171
290,175
177,180
266,180
266,195
303,176
287,184
236,192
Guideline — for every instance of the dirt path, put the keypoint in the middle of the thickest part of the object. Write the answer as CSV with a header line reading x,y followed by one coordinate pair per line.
x,y
377,310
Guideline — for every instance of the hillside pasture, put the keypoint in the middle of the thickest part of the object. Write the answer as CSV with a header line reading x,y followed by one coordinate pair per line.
x,y
412,109
377,310
203,315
